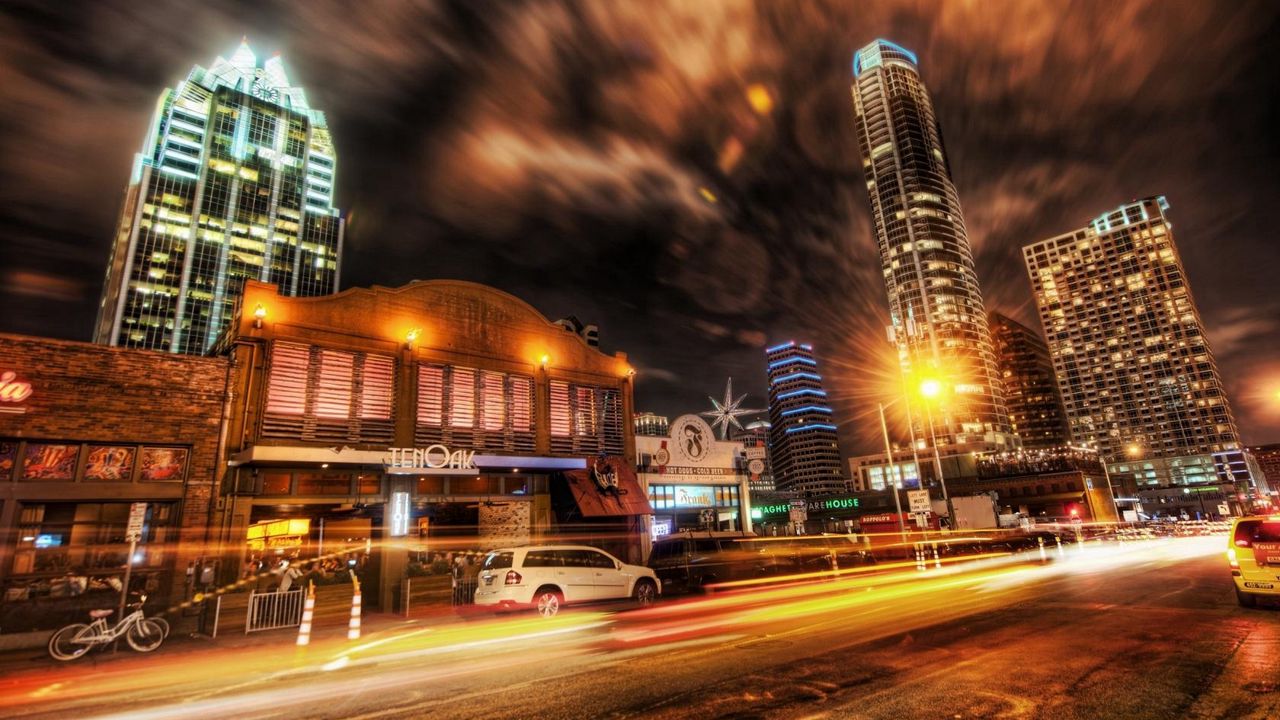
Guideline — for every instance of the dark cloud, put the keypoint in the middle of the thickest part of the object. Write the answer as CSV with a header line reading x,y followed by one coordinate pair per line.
x,y
614,160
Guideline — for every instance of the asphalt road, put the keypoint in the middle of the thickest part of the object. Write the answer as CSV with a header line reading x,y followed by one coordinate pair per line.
x,y
1146,630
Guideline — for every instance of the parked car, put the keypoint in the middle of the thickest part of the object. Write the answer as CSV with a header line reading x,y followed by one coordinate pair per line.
x,y
547,577
692,559
1253,552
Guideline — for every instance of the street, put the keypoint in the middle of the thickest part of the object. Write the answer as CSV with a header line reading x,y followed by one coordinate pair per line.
x,y
1146,630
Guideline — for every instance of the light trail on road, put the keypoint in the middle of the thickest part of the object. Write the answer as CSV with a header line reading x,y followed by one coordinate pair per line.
x,y
408,662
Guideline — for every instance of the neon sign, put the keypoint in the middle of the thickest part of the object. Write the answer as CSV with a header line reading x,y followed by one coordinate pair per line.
x,y
13,391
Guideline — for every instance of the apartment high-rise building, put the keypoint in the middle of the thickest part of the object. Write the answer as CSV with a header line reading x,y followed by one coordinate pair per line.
x,y
234,181
1030,390
1129,348
803,449
651,425
938,322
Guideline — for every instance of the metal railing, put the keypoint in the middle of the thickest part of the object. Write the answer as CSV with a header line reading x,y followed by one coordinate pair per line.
x,y
274,610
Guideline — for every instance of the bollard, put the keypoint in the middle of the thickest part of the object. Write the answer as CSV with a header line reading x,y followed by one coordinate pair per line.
x,y
1061,552
1040,542
920,557
308,612
353,628
937,561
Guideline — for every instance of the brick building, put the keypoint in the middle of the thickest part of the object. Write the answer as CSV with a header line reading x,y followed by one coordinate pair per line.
x,y
85,431
397,425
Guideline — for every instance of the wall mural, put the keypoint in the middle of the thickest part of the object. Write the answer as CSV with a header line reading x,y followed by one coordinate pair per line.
x,y
109,463
50,462
160,464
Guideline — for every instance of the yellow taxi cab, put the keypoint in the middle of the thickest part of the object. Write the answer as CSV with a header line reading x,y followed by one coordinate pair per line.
x,y
1254,556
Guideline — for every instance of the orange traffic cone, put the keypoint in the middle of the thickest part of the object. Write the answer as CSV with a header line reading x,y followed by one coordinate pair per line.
x,y
308,612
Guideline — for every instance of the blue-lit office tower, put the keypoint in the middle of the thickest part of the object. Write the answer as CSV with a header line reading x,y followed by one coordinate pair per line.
x,y
234,180
802,434
938,322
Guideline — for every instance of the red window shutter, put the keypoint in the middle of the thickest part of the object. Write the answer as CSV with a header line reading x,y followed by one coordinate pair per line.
x,y
287,381
333,385
462,398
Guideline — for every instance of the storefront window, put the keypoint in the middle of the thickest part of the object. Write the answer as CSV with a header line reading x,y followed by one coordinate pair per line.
x,y
87,539
369,484
430,485
277,483
324,483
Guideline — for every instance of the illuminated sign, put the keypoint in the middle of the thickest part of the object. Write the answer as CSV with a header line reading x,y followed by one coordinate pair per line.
x,y
423,461
843,503
659,528
48,541
12,392
775,509
279,528
695,495
399,514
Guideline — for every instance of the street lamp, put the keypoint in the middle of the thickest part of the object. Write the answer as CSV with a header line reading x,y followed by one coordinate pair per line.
x,y
930,389
888,451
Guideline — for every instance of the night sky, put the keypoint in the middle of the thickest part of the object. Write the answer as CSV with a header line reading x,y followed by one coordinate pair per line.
x,y
603,159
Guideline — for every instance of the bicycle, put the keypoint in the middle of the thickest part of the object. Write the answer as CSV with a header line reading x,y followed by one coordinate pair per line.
x,y
143,634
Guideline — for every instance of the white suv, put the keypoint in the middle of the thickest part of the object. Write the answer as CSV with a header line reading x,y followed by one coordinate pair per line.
x,y
548,576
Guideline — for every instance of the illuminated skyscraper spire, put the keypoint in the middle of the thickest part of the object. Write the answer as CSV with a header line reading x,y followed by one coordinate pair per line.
x,y
234,181
938,322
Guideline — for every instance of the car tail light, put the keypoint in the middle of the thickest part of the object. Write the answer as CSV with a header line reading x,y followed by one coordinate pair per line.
x,y
1231,558
1242,542
513,578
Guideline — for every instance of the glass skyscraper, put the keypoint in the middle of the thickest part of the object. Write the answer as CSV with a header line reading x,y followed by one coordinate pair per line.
x,y
234,181
803,447
938,322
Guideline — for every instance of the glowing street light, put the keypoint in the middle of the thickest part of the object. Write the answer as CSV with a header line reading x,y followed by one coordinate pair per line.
x,y
930,388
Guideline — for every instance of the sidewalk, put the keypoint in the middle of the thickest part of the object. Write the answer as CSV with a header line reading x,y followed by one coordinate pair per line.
x,y
329,630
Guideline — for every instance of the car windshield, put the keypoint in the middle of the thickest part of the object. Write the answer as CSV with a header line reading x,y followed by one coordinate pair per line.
x,y
497,560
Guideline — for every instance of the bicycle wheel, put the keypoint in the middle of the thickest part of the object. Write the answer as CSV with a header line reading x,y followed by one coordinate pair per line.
x,y
63,645
145,635
164,624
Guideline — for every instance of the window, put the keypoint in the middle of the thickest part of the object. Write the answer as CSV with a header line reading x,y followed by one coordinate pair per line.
x,y
498,561
324,483
476,409
328,395
585,419
542,558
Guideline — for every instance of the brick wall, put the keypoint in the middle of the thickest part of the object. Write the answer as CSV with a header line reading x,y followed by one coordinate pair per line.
x,y
82,392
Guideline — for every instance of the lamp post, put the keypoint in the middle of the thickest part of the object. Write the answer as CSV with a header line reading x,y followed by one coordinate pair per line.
x,y
888,451
930,389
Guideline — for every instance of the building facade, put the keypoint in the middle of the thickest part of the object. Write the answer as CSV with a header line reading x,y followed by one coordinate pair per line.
x,y
803,448
447,414
938,322
1030,390
694,481
234,182
87,432
1138,379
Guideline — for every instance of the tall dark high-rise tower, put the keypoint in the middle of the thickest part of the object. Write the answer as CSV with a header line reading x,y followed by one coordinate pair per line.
x,y
803,448
1026,371
938,322
234,181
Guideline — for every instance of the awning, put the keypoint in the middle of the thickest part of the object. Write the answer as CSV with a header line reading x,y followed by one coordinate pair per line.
x,y
608,487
